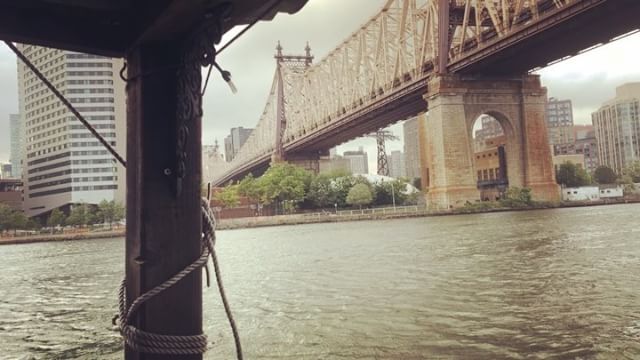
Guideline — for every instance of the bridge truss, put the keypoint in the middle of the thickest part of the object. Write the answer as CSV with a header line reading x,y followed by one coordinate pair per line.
x,y
312,107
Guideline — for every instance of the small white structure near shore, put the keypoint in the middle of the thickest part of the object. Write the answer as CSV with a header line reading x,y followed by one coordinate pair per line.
x,y
592,193
583,193
611,192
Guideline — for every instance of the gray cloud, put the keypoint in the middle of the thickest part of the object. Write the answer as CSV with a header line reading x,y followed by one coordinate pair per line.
x,y
588,79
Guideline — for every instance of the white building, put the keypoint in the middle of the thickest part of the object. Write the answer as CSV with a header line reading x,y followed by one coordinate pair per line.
x,y
611,192
17,146
592,193
63,163
396,164
411,131
359,161
584,193
617,126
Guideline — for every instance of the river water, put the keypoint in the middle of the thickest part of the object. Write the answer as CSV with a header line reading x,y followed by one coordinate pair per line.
x,y
551,284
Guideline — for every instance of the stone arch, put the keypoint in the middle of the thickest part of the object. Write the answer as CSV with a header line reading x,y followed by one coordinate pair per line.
x,y
512,143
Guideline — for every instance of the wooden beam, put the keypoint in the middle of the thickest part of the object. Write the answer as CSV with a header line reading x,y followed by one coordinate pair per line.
x,y
77,31
163,225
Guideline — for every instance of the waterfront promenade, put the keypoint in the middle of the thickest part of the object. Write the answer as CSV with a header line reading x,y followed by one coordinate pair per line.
x,y
383,213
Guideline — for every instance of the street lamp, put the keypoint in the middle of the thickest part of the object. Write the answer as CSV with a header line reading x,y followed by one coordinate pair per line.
x,y
336,205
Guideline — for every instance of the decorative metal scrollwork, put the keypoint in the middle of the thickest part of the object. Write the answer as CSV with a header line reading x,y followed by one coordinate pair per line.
x,y
199,51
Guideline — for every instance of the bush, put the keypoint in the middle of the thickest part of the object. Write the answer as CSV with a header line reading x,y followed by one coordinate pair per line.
x,y
517,198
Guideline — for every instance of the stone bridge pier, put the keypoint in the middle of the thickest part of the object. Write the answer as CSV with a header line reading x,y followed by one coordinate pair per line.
x,y
310,161
455,102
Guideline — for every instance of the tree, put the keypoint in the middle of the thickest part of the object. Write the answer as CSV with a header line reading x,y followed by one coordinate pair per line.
x,y
417,183
633,171
109,212
56,218
228,196
18,221
284,183
6,215
359,195
92,215
387,191
572,175
321,192
78,215
605,175
517,197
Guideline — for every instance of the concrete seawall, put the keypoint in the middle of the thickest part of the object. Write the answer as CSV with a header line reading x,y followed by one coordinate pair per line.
x,y
326,217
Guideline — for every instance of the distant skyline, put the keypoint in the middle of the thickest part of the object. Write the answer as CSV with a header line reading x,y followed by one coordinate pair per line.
x,y
588,79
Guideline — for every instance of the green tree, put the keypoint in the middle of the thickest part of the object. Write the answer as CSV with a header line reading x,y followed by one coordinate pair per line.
x,y
56,218
252,189
359,195
109,212
517,197
92,215
6,215
78,215
19,221
633,171
284,183
321,191
228,196
605,175
33,224
572,175
417,183
386,191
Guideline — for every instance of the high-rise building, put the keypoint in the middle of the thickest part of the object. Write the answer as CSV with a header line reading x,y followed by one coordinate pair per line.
x,y
213,163
586,144
490,128
359,161
396,164
559,117
234,142
17,145
412,148
6,171
617,126
559,113
63,163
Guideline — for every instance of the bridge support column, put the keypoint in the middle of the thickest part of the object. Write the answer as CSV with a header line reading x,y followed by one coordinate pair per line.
x,y
308,161
447,160
447,143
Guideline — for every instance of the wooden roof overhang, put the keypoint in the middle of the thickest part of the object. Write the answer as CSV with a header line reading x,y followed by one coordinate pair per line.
x,y
113,27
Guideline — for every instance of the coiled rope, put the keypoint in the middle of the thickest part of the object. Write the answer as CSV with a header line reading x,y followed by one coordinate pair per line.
x,y
147,342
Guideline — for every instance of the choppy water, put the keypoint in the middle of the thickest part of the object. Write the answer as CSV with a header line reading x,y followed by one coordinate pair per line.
x,y
553,284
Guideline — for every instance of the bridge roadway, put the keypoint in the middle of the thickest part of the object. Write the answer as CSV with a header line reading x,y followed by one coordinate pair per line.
x,y
568,31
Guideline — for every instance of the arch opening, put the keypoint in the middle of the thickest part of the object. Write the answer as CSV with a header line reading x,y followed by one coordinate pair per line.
x,y
490,134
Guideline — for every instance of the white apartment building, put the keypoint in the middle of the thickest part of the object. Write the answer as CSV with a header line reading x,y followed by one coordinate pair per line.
x,y
17,145
359,161
617,126
396,164
63,163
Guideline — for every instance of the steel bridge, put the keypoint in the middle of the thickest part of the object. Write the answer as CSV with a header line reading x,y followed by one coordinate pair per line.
x,y
380,73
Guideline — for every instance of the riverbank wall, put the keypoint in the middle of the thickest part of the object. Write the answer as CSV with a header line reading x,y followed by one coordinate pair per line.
x,y
392,213
61,237
387,213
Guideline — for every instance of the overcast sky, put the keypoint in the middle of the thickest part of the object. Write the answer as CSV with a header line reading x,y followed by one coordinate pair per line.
x,y
588,79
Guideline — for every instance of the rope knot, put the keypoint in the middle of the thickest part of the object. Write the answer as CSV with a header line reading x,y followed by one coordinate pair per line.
x,y
147,342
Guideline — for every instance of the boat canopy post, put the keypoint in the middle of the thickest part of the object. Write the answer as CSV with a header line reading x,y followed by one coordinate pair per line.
x,y
164,113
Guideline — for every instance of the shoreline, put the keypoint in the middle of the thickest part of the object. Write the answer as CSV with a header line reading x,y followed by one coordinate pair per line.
x,y
301,219
315,218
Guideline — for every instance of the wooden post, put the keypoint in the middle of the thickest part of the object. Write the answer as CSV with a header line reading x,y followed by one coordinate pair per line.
x,y
163,179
